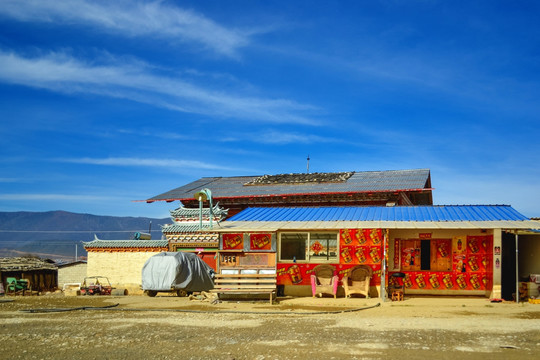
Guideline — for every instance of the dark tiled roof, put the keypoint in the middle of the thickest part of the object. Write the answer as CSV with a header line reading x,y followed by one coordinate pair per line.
x,y
183,212
190,227
363,181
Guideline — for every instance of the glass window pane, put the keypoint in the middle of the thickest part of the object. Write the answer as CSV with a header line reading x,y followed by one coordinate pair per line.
x,y
293,246
323,247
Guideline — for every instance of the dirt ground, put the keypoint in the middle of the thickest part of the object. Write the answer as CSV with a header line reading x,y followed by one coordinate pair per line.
x,y
167,327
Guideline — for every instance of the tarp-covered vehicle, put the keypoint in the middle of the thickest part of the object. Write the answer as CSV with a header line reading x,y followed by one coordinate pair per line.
x,y
179,272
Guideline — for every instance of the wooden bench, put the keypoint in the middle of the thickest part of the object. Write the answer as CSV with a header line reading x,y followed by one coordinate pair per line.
x,y
245,284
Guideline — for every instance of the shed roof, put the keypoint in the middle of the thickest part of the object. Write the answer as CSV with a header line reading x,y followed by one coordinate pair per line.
x,y
294,184
25,264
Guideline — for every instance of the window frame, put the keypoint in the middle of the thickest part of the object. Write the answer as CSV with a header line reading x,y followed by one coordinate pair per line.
x,y
309,259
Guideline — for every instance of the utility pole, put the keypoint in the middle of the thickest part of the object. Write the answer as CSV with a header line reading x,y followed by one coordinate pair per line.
x,y
308,164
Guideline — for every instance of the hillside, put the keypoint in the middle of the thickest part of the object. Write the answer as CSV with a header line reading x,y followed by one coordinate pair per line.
x,y
58,234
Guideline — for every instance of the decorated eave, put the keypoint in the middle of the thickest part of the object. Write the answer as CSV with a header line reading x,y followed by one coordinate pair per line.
x,y
185,228
126,245
183,214
199,240
186,220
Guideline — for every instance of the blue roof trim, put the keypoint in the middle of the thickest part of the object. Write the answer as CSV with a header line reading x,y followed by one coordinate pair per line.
x,y
380,213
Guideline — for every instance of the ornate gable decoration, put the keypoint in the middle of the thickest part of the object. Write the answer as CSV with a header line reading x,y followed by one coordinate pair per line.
x,y
293,179
183,214
184,231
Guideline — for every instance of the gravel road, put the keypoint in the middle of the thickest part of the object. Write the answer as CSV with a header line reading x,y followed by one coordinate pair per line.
x,y
167,327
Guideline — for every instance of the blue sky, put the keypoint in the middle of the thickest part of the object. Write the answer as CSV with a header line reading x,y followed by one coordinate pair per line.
x,y
105,102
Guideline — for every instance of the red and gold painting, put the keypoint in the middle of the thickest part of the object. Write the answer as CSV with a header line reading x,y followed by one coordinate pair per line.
x,y
260,242
459,245
410,255
300,274
346,255
462,281
361,237
233,241
434,280
480,244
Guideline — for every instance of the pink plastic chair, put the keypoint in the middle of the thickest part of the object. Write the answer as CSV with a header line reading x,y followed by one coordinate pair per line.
x,y
324,280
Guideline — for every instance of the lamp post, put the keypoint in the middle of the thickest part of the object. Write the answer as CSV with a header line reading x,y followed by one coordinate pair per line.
x,y
203,195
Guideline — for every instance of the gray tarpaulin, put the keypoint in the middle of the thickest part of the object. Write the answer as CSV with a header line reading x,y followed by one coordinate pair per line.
x,y
176,270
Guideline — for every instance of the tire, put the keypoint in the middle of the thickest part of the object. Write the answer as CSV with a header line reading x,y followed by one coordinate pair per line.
x,y
151,293
119,292
181,293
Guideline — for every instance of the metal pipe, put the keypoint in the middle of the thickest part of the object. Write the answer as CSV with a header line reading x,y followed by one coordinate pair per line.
x,y
200,211
383,267
517,268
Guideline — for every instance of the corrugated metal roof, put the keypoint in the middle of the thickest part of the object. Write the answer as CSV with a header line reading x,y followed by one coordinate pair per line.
x,y
402,217
272,226
383,213
362,181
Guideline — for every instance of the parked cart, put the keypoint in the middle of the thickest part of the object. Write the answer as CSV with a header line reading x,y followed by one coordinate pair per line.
x,y
96,285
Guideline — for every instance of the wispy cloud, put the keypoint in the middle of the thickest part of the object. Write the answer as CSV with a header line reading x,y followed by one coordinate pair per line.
x,y
277,137
145,162
158,134
132,19
136,81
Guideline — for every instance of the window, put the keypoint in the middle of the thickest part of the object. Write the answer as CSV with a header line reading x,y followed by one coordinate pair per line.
x,y
293,246
309,247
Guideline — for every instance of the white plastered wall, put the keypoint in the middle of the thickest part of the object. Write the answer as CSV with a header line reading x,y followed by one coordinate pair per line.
x,y
122,268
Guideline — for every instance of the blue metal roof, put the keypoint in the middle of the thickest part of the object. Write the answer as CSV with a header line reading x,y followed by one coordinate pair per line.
x,y
437,213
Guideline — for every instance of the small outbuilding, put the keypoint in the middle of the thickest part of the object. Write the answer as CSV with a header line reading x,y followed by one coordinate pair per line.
x,y
42,275
71,273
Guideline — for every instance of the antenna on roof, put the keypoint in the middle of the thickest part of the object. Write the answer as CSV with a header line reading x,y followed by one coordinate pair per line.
x,y
308,164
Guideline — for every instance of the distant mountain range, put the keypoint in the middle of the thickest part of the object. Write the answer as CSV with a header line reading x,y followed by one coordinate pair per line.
x,y
59,234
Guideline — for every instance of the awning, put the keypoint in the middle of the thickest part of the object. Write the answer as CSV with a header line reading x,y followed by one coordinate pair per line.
x,y
273,226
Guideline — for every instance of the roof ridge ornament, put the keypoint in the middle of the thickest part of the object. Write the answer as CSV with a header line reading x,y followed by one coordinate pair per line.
x,y
294,179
